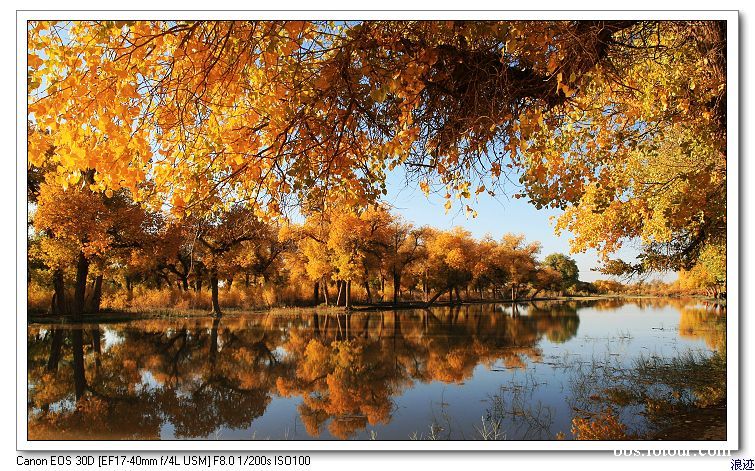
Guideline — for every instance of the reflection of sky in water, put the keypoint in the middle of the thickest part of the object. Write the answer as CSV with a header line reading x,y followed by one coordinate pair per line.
x,y
110,339
533,399
618,336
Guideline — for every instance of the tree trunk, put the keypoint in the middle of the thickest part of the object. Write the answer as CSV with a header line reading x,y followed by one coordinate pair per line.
x,y
214,341
458,296
96,295
347,302
57,343
79,377
198,282
82,270
316,293
396,286
340,286
396,327
425,287
316,325
325,291
96,345
434,298
59,298
129,288
215,301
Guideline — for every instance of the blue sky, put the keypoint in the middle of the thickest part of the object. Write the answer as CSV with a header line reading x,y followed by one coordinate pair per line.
x,y
495,216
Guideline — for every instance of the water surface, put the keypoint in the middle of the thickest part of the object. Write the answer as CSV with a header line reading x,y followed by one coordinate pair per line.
x,y
469,372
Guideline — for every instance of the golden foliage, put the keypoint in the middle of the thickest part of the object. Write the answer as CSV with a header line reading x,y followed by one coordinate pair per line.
x,y
603,426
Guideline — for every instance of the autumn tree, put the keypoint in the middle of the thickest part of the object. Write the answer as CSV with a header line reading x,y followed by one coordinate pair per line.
x,y
219,236
356,239
621,124
490,267
609,286
175,251
567,268
450,258
403,245
315,253
518,262
546,278
708,275
83,227
263,256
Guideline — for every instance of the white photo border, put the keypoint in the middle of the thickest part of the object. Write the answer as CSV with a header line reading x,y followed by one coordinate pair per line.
x,y
733,424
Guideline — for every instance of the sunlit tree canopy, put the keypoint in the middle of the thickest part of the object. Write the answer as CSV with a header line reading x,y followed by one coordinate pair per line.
x,y
620,124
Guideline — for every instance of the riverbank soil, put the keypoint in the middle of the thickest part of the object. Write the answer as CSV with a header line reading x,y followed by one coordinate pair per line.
x,y
696,423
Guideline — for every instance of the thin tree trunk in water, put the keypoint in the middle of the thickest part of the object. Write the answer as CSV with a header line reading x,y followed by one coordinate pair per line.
x,y
316,325
96,345
79,377
57,342
82,270
339,335
214,341
215,301
59,298
396,327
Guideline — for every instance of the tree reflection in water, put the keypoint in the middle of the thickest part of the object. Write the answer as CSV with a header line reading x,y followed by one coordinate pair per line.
x,y
195,377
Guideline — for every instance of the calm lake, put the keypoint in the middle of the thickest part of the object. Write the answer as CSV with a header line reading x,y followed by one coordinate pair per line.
x,y
469,372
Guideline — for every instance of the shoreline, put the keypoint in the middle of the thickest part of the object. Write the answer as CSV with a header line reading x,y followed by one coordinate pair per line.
x,y
168,313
